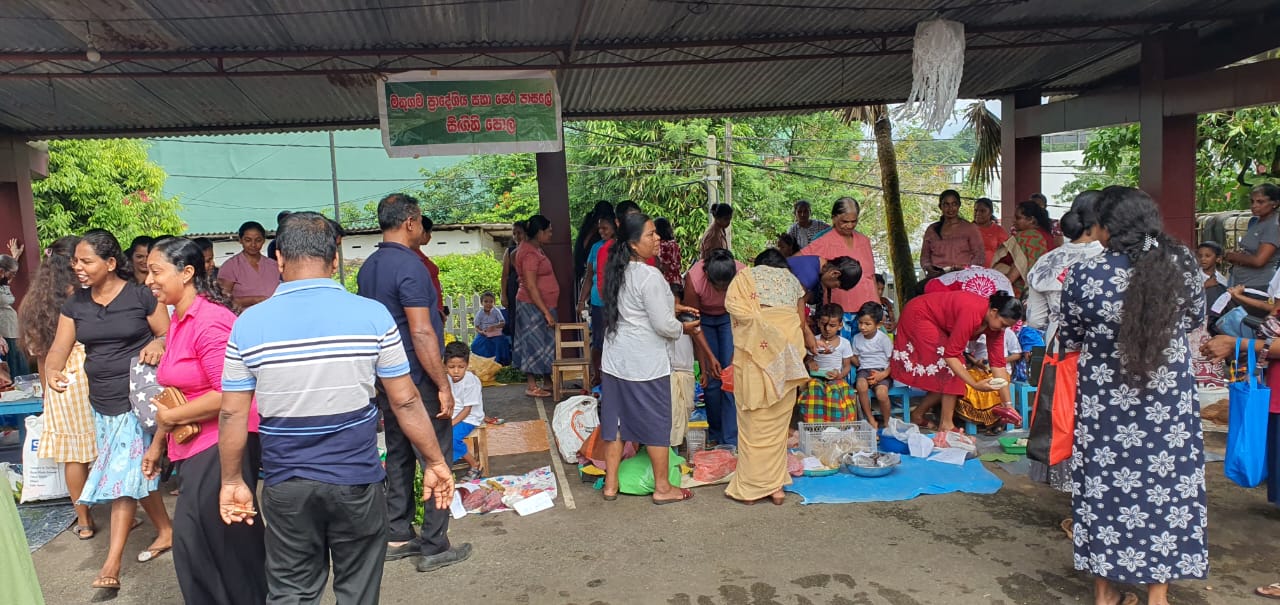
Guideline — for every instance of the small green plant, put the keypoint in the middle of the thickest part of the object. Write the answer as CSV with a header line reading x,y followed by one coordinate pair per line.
x,y
509,375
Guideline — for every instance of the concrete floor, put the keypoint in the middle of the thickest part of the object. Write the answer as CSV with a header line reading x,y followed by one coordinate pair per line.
x,y
996,549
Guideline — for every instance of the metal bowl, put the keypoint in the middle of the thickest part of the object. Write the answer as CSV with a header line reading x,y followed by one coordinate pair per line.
x,y
885,463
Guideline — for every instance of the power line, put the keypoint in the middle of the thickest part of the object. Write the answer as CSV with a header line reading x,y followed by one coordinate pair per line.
x,y
742,164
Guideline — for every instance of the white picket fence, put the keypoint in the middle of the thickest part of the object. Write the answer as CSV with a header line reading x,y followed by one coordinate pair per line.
x,y
461,319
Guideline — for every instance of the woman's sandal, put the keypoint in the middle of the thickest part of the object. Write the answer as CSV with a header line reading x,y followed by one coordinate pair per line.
x,y
537,393
80,530
152,553
685,494
1068,527
106,583
1270,591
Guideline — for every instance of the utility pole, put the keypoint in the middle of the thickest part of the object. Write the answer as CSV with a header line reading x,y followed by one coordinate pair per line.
x,y
337,212
728,166
713,191
711,165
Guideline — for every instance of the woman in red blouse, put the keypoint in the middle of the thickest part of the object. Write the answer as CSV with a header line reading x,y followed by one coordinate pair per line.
x,y
928,350
668,252
216,563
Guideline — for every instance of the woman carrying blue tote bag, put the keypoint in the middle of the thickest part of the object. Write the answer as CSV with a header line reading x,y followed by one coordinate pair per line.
x,y
1246,461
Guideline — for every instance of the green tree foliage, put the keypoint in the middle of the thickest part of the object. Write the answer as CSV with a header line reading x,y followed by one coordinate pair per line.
x,y
659,164
1235,150
106,184
467,274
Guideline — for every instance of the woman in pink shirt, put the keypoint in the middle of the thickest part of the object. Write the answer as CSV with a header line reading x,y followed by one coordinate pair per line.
x,y
952,243
534,350
844,240
704,289
215,562
249,277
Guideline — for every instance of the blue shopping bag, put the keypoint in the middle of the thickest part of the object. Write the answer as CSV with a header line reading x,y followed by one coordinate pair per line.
x,y
1246,462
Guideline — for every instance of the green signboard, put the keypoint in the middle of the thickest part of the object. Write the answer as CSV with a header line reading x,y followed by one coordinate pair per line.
x,y
469,113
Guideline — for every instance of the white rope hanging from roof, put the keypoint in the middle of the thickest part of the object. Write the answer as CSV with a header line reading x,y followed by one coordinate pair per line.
x,y
937,64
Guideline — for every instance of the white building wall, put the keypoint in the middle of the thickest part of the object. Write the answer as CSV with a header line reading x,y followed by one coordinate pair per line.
x,y
359,246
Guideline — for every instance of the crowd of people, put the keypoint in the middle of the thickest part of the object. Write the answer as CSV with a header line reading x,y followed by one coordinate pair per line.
x,y
156,362
804,337
278,369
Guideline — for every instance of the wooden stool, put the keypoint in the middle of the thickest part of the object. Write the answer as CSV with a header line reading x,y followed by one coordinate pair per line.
x,y
573,356
478,444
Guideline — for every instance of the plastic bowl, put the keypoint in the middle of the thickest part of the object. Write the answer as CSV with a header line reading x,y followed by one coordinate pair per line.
x,y
887,463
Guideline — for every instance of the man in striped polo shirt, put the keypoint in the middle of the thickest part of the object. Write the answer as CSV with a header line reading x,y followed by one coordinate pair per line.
x,y
311,353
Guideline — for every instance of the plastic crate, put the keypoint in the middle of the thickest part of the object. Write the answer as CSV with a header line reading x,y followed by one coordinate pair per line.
x,y
862,435
695,440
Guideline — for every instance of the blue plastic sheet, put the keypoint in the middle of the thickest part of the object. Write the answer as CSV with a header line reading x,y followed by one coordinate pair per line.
x,y
914,477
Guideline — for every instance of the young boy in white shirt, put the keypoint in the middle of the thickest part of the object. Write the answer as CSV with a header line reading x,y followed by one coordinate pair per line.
x,y
468,403
680,351
872,350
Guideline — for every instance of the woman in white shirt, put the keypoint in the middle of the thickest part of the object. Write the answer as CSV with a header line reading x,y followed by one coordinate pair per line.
x,y
1044,281
635,382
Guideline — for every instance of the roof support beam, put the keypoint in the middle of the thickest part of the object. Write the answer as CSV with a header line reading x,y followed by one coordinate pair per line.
x,y
1218,90
1020,164
1168,146
59,66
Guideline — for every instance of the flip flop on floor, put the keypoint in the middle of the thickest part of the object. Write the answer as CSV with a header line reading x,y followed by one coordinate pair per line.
x,y
152,553
537,393
1068,527
1270,591
106,583
1128,598
685,494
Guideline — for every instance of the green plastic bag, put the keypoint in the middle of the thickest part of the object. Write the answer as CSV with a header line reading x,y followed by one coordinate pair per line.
x,y
635,474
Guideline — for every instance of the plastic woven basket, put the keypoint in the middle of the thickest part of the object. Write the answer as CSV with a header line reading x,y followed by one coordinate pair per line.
x,y
858,434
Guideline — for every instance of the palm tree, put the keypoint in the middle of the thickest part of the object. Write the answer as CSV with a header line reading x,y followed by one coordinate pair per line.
x,y
985,166
900,261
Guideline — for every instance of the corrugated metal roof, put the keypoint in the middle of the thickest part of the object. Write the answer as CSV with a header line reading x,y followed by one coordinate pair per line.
x,y
715,54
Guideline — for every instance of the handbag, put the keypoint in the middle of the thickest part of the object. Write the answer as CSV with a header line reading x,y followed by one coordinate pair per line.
x,y
171,398
1053,418
1246,460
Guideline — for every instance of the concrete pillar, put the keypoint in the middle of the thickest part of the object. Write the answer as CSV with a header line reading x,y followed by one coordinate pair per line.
x,y
19,164
553,203
1019,157
1168,147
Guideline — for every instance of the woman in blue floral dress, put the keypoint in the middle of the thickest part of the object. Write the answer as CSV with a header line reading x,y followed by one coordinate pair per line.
x,y
1138,463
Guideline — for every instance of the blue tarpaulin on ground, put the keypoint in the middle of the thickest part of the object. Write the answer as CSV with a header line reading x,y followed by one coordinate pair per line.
x,y
914,477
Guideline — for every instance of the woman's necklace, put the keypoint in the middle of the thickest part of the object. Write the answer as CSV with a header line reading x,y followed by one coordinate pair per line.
x,y
103,297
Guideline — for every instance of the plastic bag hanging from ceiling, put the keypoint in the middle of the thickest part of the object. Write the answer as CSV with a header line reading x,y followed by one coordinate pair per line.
x,y
937,64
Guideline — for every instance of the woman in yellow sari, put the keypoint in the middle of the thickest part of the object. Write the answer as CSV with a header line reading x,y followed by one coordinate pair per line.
x,y
766,304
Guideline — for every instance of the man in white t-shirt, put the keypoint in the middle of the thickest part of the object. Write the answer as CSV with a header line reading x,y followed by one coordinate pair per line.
x,y
467,400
